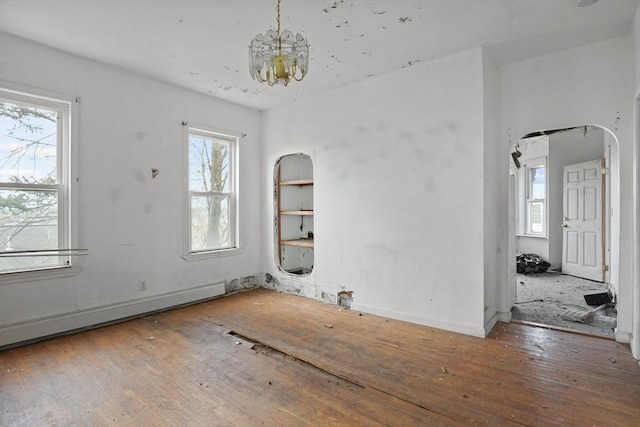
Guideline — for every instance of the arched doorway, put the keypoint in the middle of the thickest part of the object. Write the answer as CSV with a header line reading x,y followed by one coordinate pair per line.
x,y
539,223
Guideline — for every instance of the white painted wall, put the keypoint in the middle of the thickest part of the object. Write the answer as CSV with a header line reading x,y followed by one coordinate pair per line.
x,y
588,85
398,194
635,340
131,224
495,180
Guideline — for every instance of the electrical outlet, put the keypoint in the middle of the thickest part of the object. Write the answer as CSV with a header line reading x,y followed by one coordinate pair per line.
x,y
142,285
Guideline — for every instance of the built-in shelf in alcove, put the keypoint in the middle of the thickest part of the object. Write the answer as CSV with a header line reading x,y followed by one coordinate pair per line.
x,y
295,214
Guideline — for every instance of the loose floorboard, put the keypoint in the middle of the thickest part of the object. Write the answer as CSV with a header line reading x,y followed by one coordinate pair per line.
x,y
264,358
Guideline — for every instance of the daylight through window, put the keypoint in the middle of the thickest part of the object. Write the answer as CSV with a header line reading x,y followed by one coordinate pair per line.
x,y
212,192
34,183
536,195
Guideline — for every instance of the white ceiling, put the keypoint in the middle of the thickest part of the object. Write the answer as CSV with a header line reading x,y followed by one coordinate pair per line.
x,y
202,44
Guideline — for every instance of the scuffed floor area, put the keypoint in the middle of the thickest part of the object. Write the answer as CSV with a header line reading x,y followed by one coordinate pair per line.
x,y
543,298
265,358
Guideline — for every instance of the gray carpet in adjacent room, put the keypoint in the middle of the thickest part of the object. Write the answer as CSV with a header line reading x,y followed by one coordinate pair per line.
x,y
559,293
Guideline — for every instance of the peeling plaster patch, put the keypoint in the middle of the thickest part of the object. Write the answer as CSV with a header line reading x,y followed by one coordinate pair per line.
x,y
404,19
325,297
345,298
242,284
410,63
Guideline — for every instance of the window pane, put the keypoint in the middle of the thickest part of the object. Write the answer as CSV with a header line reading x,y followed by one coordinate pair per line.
x,y
28,221
28,144
537,180
537,217
209,159
210,226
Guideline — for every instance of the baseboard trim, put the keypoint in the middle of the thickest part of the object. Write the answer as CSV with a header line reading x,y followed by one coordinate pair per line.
x,y
433,323
504,317
623,337
490,324
52,325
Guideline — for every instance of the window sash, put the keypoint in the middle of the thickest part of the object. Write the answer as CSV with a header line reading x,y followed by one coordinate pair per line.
x,y
536,227
194,244
62,186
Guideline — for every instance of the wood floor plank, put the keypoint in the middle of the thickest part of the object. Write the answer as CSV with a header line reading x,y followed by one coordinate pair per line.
x,y
315,364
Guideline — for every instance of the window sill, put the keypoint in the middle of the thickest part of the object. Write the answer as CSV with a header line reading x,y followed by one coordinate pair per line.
x,y
535,236
196,256
36,275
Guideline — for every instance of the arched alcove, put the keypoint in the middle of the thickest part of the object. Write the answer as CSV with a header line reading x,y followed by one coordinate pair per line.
x,y
293,202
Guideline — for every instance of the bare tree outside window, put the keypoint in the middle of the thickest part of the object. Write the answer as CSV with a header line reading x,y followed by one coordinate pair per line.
x,y
210,188
29,190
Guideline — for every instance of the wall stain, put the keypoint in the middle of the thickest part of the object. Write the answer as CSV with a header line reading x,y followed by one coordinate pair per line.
x,y
430,185
242,284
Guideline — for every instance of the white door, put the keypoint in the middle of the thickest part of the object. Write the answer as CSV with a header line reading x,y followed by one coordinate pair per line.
x,y
582,226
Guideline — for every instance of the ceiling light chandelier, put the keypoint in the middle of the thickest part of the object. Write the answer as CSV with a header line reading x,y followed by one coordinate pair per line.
x,y
277,57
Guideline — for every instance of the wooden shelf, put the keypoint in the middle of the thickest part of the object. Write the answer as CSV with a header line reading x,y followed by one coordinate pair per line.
x,y
297,182
303,243
304,212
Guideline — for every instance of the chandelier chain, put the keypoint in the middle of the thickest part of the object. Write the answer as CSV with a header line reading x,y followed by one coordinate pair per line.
x,y
278,20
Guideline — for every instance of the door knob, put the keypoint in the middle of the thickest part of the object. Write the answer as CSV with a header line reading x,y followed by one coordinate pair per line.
x,y
565,225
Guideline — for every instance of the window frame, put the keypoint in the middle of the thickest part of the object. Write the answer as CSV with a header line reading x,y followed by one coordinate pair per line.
x,y
527,199
67,107
233,194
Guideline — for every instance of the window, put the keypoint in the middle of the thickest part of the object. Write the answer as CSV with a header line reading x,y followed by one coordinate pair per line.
x,y
212,201
536,190
35,183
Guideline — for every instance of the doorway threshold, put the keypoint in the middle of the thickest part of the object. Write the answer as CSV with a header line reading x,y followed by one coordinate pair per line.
x,y
562,329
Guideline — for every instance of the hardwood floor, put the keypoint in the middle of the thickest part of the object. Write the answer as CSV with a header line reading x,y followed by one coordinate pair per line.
x,y
314,364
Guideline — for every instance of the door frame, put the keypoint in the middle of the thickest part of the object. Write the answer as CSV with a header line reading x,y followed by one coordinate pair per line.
x,y
635,306
612,222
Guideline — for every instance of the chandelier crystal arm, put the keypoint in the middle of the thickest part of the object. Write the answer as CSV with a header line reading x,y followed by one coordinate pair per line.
x,y
277,56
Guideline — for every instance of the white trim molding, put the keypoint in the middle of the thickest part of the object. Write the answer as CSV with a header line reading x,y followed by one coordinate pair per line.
x,y
476,331
69,322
